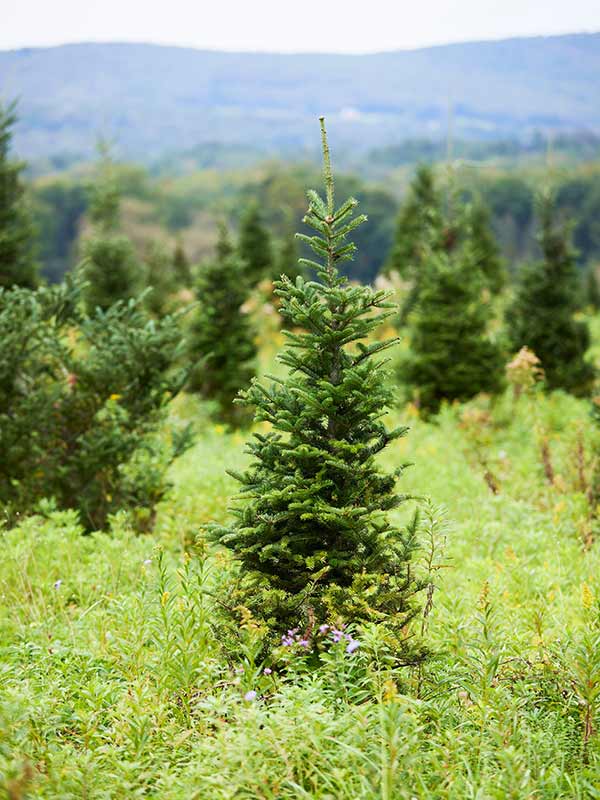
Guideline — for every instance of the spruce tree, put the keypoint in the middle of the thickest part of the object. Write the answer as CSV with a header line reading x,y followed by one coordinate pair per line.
x,y
222,338
541,316
451,356
110,266
255,247
17,262
311,529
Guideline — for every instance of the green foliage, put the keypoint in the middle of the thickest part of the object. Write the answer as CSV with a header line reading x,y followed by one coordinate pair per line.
x,y
82,402
451,355
161,277
255,247
431,225
222,338
419,223
592,289
181,265
118,653
17,262
485,247
541,316
312,533
110,265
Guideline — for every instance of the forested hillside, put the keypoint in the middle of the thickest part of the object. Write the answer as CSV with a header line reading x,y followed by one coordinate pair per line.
x,y
156,100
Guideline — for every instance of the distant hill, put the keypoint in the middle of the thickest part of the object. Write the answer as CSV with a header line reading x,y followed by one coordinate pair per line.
x,y
159,100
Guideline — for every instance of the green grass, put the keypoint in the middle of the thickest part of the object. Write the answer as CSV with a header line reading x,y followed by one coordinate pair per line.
x,y
124,680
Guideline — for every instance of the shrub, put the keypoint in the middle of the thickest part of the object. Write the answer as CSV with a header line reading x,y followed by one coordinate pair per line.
x,y
82,402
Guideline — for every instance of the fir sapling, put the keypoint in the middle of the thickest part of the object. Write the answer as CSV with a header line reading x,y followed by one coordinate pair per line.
x,y
311,530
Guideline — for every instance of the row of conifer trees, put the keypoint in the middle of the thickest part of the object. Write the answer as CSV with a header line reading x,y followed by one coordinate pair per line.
x,y
444,251
311,529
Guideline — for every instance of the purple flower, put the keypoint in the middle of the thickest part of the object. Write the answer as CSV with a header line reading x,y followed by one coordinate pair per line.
x,y
303,642
287,641
323,629
267,671
58,584
336,635
352,646
250,696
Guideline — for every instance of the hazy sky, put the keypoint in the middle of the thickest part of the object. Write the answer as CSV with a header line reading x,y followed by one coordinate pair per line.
x,y
289,25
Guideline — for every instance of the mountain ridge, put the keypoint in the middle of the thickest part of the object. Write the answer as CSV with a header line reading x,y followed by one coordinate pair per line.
x,y
154,99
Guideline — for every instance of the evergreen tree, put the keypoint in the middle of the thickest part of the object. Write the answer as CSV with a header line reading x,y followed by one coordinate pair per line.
x,y
431,224
451,356
420,222
485,247
255,247
181,266
592,290
161,278
17,262
541,316
222,338
110,265
288,261
311,530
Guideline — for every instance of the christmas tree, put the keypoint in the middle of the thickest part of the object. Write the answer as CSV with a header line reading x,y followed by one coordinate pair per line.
x,y
17,262
433,223
110,265
181,266
542,314
311,530
485,247
222,338
420,222
451,356
255,247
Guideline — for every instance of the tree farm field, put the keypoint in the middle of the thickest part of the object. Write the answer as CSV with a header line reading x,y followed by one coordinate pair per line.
x,y
123,675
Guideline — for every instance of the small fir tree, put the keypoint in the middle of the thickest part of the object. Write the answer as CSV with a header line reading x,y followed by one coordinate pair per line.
x,y
420,221
311,529
592,290
222,339
485,247
288,261
541,316
181,266
451,356
255,247
161,278
110,266
17,263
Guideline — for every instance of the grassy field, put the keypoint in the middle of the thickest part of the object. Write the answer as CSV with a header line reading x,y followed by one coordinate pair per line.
x,y
120,676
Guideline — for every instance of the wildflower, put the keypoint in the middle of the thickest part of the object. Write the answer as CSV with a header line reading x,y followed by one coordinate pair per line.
x,y
323,629
267,671
57,584
250,696
115,397
303,642
352,646
239,670
147,562
287,641
337,635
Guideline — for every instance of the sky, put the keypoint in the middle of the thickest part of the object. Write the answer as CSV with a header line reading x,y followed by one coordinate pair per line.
x,y
345,26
